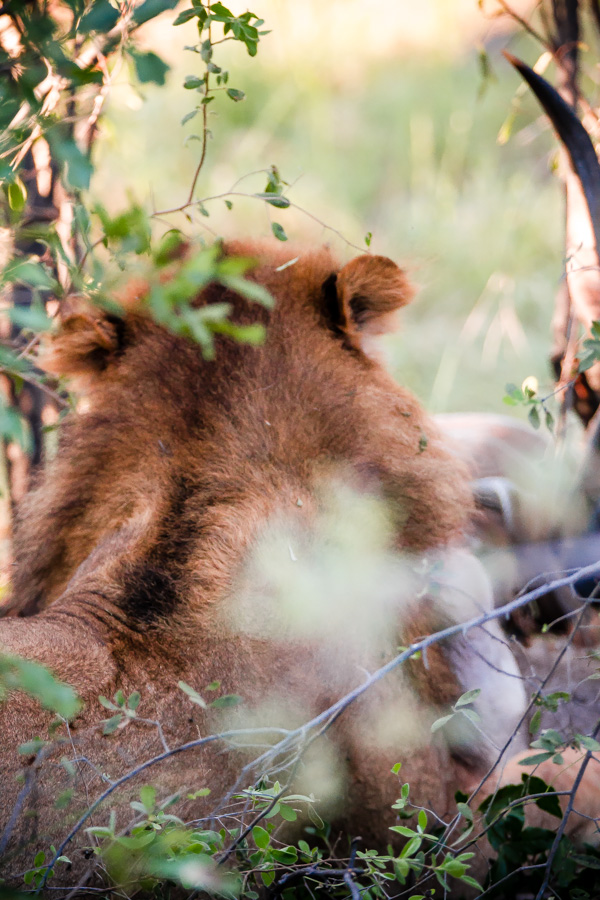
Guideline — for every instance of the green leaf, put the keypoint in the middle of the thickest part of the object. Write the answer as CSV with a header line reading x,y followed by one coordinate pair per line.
x,y
404,831
14,428
78,167
287,813
185,16
189,116
411,847
30,748
278,231
534,725
16,194
439,723
396,768
548,804
245,334
556,696
586,860
112,724
24,271
107,704
206,51
192,82
287,856
131,229
133,700
368,238
465,811
589,357
549,739
218,9
226,701
588,742
401,869
422,819
192,694
496,803
32,317
63,799
202,792
467,698
268,877
235,95
24,675
152,8
534,417
315,818
249,289
149,67
274,199
262,838
453,867
100,831
137,841
148,797
102,16
274,181
536,759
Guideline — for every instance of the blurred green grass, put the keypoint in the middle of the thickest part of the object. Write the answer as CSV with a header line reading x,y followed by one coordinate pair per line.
x,y
407,150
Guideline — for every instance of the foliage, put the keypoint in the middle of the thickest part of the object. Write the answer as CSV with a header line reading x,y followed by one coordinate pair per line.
x,y
527,396
58,74
18,674
59,64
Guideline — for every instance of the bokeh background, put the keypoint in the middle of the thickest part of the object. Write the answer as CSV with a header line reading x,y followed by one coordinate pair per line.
x,y
379,115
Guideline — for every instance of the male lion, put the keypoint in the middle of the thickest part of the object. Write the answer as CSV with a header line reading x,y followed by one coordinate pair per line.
x,y
139,556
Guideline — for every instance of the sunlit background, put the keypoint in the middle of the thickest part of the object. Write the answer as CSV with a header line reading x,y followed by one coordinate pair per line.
x,y
380,117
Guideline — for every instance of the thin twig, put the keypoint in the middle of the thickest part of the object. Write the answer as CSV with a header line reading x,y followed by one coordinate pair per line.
x,y
292,205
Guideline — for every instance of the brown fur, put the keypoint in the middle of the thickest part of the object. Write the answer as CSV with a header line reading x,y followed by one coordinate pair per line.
x,y
166,428
129,546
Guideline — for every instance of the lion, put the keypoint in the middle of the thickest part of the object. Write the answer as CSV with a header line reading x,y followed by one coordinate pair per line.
x,y
139,558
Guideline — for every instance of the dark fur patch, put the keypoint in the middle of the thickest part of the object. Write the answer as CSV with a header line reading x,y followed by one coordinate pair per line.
x,y
151,588
331,303
149,594
360,306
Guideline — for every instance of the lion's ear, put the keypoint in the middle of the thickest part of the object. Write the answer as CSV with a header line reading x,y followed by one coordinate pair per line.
x,y
88,340
370,290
